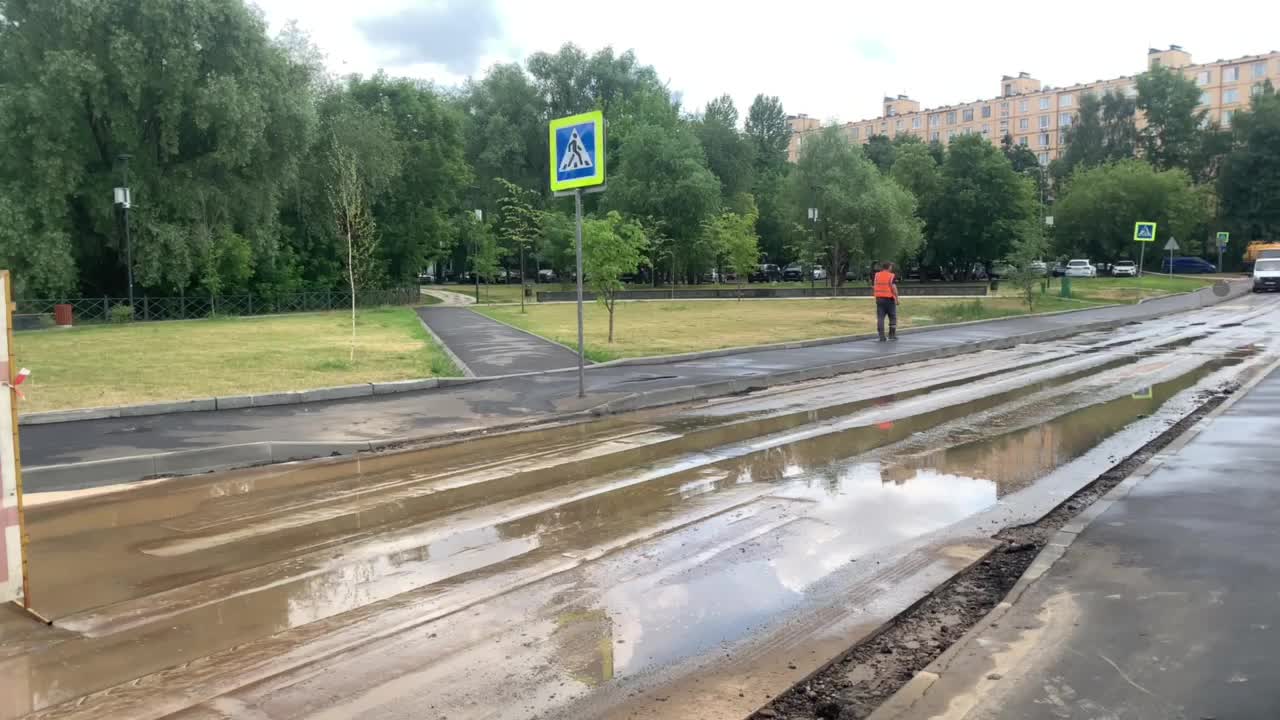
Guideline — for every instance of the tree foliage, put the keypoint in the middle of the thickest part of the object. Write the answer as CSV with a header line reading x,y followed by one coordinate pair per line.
x,y
733,234
1095,218
612,248
1105,130
1169,100
1249,184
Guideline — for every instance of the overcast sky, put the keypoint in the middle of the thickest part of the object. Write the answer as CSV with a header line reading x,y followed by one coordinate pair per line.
x,y
831,59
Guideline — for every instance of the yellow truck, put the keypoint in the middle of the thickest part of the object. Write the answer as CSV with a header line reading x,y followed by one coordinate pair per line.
x,y
1259,249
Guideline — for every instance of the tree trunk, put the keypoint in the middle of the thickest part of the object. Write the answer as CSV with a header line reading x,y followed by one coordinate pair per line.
x,y
351,277
522,278
609,305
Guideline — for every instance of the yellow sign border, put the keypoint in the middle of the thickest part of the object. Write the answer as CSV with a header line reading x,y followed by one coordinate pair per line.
x,y
597,117
1139,224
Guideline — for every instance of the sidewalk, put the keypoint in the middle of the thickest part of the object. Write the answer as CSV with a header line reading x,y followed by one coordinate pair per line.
x,y
54,455
487,347
1166,605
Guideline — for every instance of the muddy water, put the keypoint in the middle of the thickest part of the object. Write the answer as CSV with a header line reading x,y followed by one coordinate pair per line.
x,y
679,536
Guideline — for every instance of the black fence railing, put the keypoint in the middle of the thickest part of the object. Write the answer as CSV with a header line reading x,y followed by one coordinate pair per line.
x,y
189,307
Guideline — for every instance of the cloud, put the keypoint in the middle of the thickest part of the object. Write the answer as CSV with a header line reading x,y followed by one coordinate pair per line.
x,y
451,33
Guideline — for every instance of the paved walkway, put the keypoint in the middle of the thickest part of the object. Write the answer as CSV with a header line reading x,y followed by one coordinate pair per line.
x,y
1167,605
488,347
450,298
485,403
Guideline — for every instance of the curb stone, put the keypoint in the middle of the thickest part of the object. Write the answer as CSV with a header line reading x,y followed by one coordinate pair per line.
x,y
1204,297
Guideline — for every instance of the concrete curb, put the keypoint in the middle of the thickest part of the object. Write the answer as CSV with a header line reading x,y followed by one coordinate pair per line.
x,y
1204,296
457,361
899,706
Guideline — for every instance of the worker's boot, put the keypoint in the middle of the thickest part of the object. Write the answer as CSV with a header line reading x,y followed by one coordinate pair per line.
x,y
882,338
893,333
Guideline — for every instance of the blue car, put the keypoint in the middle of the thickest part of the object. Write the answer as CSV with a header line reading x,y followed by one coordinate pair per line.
x,y
1188,265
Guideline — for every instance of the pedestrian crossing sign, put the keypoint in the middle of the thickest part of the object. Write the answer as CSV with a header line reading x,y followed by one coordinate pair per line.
x,y
1144,232
577,151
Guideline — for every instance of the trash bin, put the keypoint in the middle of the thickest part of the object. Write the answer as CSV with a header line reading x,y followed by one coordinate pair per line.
x,y
528,291
995,285
1065,287
62,315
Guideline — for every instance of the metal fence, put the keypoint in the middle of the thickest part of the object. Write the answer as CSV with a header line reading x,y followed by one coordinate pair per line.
x,y
94,310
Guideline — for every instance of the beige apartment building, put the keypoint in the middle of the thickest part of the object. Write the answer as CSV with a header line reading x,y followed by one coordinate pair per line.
x,y
1037,116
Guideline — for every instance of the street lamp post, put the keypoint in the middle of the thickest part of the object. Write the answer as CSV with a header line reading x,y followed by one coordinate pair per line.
x,y
123,200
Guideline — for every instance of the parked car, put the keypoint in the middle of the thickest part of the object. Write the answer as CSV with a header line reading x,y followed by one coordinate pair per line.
x,y
1000,270
766,273
426,278
819,273
793,272
1081,269
1124,268
1266,274
1188,265
1038,267
1058,270
546,275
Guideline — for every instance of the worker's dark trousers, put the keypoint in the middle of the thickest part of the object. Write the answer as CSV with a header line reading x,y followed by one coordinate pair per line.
x,y
887,307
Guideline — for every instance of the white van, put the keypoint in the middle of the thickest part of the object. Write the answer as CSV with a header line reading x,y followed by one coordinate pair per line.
x,y
1266,274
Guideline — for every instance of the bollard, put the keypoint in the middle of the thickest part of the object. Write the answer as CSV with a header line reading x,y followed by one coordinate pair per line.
x,y
1066,287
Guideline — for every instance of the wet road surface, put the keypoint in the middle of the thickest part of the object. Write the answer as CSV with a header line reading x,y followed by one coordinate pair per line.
x,y
688,562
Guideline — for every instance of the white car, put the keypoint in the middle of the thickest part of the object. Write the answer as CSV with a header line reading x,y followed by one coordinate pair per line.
x,y
1124,268
1266,274
1081,269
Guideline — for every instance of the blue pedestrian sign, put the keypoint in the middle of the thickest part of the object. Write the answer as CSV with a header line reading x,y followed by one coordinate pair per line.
x,y
1144,232
577,151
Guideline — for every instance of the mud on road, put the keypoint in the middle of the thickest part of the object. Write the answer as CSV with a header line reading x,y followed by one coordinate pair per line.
x,y
853,685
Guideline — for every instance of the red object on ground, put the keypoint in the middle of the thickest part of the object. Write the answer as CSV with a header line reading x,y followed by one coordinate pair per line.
x,y
62,315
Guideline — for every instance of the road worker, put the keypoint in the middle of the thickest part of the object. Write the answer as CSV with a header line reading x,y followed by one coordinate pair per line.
x,y
885,289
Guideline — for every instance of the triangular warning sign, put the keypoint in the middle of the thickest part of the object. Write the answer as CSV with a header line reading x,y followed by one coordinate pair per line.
x,y
575,156
1144,231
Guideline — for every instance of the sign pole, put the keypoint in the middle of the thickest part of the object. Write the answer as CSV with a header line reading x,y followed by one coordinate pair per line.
x,y
577,211
1219,257
1142,255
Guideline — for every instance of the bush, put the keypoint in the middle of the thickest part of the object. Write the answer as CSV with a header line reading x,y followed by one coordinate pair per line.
x,y
120,314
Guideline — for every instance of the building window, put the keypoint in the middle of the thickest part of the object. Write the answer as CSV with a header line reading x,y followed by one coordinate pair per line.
x,y
1204,98
1226,118
915,122
1024,124
1256,89
1008,88
1231,74
951,118
967,115
1023,105
934,136
1004,109
1044,158
1202,78
1044,103
1044,139
884,127
934,120
1064,119
898,124
1066,101
1023,140
986,130
854,133
1044,121
1230,95
1259,70
986,111
890,110
951,134
1062,138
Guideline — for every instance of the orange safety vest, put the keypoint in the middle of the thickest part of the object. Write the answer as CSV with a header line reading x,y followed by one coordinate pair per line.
x,y
883,287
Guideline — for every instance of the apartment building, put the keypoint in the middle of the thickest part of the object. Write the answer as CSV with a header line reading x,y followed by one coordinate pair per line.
x,y
1038,116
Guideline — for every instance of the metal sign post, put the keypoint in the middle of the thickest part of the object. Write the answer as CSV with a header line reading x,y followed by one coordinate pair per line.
x,y
577,166
1143,232
1223,238
1171,246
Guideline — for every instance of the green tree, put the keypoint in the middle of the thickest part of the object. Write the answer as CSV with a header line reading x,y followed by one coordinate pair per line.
x,y
734,236
662,174
881,151
983,208
1095,217
353,222
863,216
556,238
1027,278
916,170
729,154
1170,101
769,132
519,224
506,131
215,115
1249,184
1104,130
611,248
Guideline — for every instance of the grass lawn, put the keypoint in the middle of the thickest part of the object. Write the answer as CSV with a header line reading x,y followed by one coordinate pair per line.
x,y
1131,290
665,327
149,362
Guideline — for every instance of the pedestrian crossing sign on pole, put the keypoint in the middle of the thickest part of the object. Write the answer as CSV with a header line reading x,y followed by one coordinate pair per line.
x,y
1144,232
577,151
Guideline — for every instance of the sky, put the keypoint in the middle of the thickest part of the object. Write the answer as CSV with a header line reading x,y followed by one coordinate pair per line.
x,y
831,59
